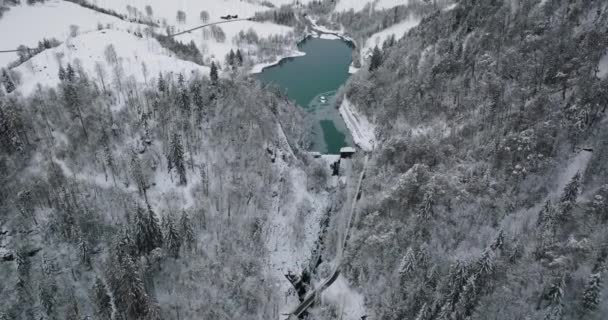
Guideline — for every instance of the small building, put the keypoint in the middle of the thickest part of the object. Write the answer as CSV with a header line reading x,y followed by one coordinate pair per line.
x,y
315,154
347,152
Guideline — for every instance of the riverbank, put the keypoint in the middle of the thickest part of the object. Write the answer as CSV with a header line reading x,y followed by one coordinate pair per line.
x,y
259,68
361,129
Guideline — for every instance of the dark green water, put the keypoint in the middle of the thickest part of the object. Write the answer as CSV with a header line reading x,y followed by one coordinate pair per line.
x,y
309,79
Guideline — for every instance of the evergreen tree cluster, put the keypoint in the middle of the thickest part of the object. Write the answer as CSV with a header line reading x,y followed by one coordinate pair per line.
x,y
490,120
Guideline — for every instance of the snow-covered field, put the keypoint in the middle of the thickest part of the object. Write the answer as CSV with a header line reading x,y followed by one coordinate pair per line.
x,y
26,25
216,50
359,126
167,10
358,5
89,49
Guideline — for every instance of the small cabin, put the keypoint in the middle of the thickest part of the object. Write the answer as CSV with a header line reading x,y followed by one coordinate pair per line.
x,y
347,152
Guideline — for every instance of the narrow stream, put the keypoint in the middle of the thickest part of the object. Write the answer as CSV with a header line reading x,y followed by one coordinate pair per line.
x,y
312,81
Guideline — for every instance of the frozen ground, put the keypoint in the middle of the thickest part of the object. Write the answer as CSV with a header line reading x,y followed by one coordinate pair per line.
x,y
89,49
26,25
359,126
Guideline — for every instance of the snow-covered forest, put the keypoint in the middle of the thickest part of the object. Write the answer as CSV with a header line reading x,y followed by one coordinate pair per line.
x,y
147,173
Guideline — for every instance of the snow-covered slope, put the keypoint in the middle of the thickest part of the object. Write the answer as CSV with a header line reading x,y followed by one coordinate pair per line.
x,y
359,126
216,50
165,13
89,49
26,25
358,5
398,30
167,10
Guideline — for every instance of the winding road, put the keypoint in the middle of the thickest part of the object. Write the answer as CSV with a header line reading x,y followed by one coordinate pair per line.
x,y
310,299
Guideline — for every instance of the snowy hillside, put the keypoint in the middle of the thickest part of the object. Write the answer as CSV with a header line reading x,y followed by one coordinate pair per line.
x,y
27,24
358,5
141,58
397,30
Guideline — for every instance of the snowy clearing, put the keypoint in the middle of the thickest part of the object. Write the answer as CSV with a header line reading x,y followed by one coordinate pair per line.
x,y
398,30
26,25
89,49
166,11
217,50
359,126
358,5
350,302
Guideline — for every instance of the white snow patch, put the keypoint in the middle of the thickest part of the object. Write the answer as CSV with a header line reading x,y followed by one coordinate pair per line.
x,y
258,68
577,164
352,69
451,7
350,303
387,4
89,49
26,25
329,36
603,66
359,126
398,30
356,5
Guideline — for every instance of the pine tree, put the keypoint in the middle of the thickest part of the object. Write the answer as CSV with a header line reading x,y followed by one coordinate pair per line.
x,y
231,58
148,235
155,234
176,159
183,97
173,240
186,231
426,208
485,264
376,59
70,74
138,176
8,83
592,293
239,57
161,83
468,298
569,196
213,75
103,302
408,263
62,74
141,232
